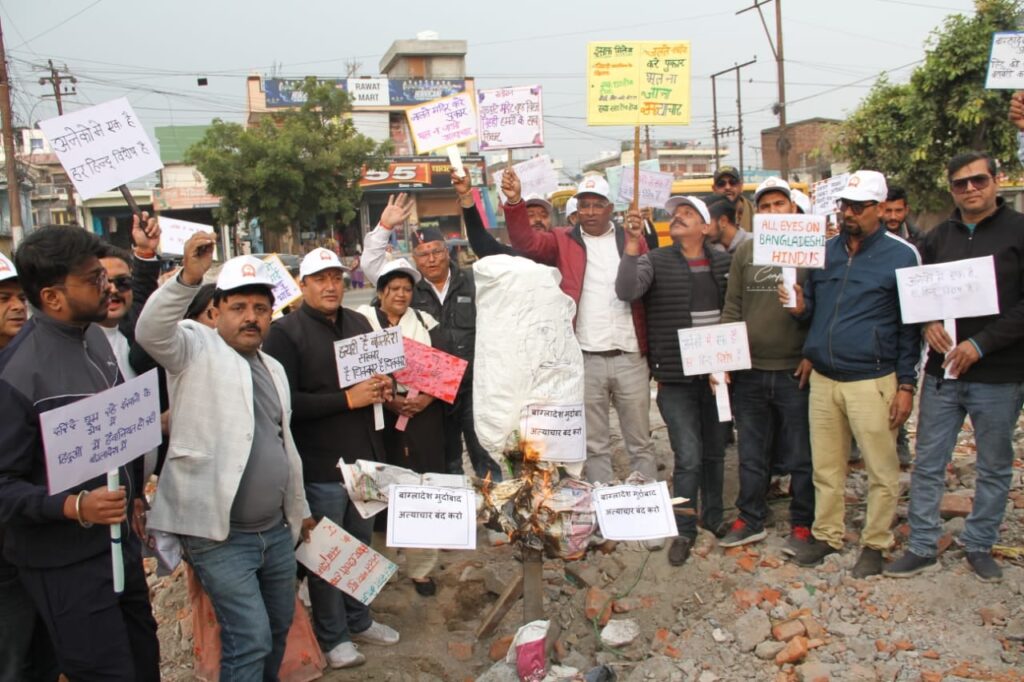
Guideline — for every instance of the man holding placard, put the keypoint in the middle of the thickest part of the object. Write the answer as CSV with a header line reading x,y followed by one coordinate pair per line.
x,y
865,371
61,543
682,286
980,374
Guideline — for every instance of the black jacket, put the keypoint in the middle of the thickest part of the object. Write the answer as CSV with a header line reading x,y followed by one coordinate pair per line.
x,y
1000,337
456,317
481,241
324,428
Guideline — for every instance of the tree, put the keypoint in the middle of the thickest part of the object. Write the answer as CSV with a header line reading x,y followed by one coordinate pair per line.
x,y
909,131
290,168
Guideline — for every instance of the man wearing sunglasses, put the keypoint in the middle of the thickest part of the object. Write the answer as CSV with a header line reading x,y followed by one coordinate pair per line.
x,y
979,374
728,182
864,371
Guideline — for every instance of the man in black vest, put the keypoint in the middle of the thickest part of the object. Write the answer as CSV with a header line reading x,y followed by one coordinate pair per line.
x,y
683,285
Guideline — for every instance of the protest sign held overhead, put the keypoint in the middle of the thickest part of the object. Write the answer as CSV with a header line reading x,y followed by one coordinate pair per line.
x,y
789,240
655,188
100,433
635,512
947,291
348,564
431,371
429,517
1006,61
644,82
442,122
174,233
537,176
102,146
286,289
361,357
510,118
557,432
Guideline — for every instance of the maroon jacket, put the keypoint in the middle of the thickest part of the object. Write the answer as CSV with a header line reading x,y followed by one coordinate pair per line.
x,y
563,248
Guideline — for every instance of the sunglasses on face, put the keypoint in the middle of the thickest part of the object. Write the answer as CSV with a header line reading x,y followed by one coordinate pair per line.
x,y
857,207
981,181
727,182
122,283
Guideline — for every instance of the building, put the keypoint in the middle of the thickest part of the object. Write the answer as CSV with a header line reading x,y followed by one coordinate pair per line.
x,y
810,152
682,158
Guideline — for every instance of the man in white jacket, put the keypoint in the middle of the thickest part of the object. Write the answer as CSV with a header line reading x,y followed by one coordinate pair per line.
x,y
231,488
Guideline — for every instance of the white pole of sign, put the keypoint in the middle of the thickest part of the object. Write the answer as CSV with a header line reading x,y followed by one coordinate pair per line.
x,y
116,557
789,281
456,160
378,417
722,397
950,327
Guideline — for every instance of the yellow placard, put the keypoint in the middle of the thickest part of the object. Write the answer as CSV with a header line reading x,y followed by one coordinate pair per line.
x,y
638,82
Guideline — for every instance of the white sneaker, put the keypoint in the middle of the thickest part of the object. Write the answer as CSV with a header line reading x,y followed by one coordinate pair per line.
x,y
378,633
345,655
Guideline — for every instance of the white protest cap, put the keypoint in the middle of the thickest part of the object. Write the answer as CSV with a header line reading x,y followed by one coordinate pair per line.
x,y
772,184
802,201
594,184
243,271
865,185
537,200
692,202
570,206
319,259
399,265
7,270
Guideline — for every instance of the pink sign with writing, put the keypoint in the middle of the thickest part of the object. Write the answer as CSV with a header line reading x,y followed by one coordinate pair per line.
x,y
431,371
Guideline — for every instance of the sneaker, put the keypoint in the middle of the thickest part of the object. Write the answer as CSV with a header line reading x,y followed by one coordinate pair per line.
x,y
679,551
909,565
868,563
345,655
425,588
378,633
741,534
798,538
985,567
813,553
721,530
655,545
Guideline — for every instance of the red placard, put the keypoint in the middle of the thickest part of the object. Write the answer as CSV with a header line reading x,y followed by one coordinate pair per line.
x,y
431,371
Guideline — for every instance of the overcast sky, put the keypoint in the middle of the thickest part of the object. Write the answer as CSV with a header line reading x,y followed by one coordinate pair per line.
x,y
153,52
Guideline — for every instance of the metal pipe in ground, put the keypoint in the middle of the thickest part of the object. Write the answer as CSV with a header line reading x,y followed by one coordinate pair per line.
x,y
533,584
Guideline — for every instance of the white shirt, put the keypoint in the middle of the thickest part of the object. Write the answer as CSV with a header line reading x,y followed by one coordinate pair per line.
x,y
443,291
603,322
119,344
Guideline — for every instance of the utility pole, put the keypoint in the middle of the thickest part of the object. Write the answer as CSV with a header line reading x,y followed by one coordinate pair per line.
x,y
55,79
739,109
714,117
10,163
780,65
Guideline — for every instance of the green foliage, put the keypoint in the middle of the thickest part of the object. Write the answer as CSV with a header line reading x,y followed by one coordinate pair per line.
x,y
910,131
290,168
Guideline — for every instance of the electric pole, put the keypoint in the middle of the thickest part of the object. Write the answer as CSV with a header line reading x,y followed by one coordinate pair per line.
x,y
780,65
55,79
10,163
739,110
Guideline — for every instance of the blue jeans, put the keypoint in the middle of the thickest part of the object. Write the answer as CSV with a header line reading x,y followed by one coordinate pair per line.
x,y
335,614
771,415
698,446
250,579
994,409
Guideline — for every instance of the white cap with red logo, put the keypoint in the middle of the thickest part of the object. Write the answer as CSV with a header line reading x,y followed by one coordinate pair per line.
x,y
319,259
243,271
7,270
865,185
594,184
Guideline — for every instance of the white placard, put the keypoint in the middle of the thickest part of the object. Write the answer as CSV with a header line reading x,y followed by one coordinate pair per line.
x,y
945,291
174,233
825,194
536,175
635,512
1006,61
102,146
789,239
655,187
510,118
360,357
455,159
286,289
345,562
557,432
442,122
430,517
714,348
100,433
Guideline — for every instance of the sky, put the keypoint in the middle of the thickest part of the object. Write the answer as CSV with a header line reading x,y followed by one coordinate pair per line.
x,y
153,53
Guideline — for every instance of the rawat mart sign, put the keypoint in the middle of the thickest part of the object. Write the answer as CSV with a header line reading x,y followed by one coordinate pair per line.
x,y
384,92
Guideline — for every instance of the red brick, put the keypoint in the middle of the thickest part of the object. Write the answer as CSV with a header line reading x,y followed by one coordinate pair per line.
x,y
955,505
788,629
460,651
944,543
794,652
771,562
734,551
746,598
814,630
561,650
903,645
598,602
499,647
747,563
930,654
771,596
931,676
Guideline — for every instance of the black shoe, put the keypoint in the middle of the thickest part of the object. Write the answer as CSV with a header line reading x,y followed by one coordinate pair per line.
x,y
909,565
679,551
721,530
813,553
798,538
985,567
868,563
425,588
741,534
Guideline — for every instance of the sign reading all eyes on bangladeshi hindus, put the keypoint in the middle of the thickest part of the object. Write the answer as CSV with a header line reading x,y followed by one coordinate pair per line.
x,y
641,82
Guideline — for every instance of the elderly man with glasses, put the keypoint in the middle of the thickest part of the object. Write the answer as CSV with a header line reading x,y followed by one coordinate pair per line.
x,y
864,373
728,182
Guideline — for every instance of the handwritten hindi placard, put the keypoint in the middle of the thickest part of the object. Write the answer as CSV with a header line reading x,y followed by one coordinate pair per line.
x,y
558,432
100,433
1006,61
947,291
635,512
442,122
789,240
714,348
643,82
348,564
655,187
174,233
360,357
431,371
102,146
825,194
510,118
537,176
286,290
431,517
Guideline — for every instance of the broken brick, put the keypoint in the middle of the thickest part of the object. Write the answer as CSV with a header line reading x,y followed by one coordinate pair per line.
x,y
795,651
598,602
955,505
788,629
930,654
460,651
931,676
771,596
746,598
499,647
747,563
813,628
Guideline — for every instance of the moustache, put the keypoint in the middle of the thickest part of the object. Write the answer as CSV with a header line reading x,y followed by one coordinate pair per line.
x,y
250,328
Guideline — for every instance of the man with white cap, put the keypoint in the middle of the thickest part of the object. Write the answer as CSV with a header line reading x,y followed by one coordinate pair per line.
x,y
231,488
682,286
13,305
865,366
612,333
329,423
571,215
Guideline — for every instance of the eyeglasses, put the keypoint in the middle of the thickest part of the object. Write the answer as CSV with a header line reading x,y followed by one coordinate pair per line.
x,y
727,182
959,186
97,279
122,283
857,207
430,254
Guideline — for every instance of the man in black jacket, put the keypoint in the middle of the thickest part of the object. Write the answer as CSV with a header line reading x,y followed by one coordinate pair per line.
x,y
979,374
328,424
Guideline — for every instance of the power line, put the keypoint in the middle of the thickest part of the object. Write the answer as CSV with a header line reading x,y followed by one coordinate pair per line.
x,y
60,23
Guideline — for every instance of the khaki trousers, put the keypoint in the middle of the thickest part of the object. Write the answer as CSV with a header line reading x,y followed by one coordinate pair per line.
x,y
839,409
